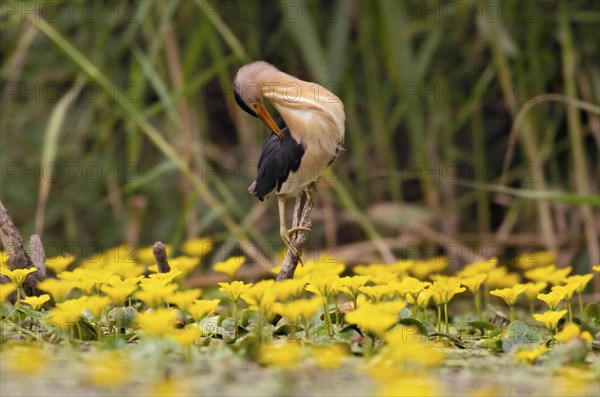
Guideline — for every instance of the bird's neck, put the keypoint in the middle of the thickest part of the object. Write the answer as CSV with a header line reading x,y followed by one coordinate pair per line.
x,y
311,111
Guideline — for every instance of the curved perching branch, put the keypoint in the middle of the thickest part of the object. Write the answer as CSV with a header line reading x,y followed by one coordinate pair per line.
x,y
301,219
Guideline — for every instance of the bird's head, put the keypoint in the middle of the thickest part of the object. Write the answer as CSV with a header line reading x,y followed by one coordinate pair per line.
x,y
248,92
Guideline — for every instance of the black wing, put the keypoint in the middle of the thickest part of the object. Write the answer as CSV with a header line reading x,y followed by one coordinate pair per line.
x,y
278,158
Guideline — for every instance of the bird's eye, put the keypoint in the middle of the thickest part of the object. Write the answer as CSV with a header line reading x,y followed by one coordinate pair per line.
x,y
254,105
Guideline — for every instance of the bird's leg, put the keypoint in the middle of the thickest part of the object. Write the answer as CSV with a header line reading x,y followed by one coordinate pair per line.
x,y
309,191
309,198
283,231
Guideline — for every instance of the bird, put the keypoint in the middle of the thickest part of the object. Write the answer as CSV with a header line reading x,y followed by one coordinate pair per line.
x,y
304,141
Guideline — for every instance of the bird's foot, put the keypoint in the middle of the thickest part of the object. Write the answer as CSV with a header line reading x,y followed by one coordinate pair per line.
x,y
297,229
285,236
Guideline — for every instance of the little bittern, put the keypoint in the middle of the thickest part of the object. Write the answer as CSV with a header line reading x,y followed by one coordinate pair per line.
x,y
304,141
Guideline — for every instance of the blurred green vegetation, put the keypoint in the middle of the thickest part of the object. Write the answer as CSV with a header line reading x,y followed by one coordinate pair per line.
x,y
118,122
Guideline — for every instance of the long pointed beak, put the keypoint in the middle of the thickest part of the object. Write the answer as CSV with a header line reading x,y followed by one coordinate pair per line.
x,y
268,120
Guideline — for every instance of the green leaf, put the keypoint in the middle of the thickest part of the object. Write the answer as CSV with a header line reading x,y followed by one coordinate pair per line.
x,y
406,313
414,323
210,325
592,312
34,314
348,332
493,343
519,333
586,326
482,326
287,329
319,333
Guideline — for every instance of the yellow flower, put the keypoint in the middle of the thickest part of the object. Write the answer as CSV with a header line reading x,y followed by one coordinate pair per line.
x,y
373,269
118,294
57,288
86,279
422,269
550,274
17,276
559,275
509,295
550,318
186,336
406,347
5,290
183,299
261,296
529,355
501,278
199,247
202,308
596,268
230,266
167,388
130,281
286,289
473,283
408,384
157,323
3,258
477,268
326,267
280,355
410,286
567,290
323,285
19,358
572,331
553,298
384,278
533,289
168,277
329,356
581,280
59,263
36,301
443,292
153,294
375,318
423,299
94,304
351,285
275,270
300,308
530,260
402,266
67,313
108,369
257,290
376,293
235,289
442,278
184,264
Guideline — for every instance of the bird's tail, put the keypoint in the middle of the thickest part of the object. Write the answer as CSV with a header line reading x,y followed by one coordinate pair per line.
x,y
252,191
